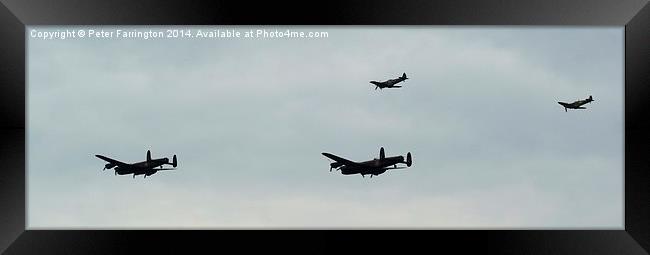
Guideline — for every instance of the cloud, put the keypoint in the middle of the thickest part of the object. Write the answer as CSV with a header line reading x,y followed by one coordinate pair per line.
x,y
248,120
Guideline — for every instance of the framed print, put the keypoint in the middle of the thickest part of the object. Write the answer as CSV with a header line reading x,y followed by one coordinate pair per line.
x,y
512,127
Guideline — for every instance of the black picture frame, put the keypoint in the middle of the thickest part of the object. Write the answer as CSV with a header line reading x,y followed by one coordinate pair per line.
x,y
634,15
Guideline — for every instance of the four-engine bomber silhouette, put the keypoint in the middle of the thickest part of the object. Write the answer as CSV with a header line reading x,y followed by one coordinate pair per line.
x,y
376,166
146,168
389,83
576,104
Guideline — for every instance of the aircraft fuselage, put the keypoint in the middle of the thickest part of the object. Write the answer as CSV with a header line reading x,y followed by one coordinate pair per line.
x,y
375,166
388,83
577,104
144,167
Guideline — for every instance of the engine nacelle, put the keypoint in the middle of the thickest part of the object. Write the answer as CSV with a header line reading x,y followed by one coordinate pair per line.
x,y
336,164
150,172
346,171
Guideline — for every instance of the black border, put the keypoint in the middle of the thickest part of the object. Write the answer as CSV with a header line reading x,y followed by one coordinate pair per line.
x,y
633,14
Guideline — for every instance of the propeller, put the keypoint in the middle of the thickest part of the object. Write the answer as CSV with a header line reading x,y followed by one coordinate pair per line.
x,y
374,83
330,165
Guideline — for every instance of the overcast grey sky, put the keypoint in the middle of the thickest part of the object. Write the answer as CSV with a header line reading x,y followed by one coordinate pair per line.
x,y
248,119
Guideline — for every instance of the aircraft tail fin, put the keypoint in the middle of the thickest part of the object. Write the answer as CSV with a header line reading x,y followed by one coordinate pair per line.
x,y
148,155
382,155
174,161
409,160
591,98
404,76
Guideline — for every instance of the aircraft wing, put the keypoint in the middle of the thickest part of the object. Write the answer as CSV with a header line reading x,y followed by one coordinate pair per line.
x,y
391,168
110,160
342,160
160,169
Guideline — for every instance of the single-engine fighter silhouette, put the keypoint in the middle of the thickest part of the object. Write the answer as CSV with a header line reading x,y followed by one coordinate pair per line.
x,y
389,83
576,104
145,168
376,166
